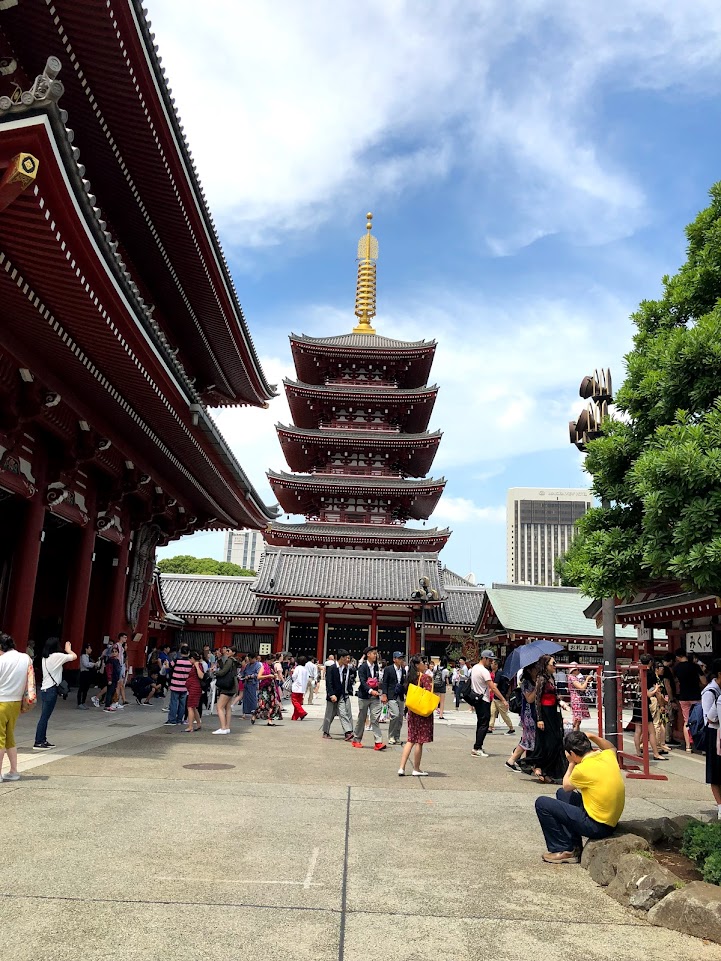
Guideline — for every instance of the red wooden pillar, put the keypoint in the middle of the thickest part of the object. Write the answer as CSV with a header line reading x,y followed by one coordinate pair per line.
x,y
373,641
280,633
117,619
414,643
136,649
25,570
320,646
76,604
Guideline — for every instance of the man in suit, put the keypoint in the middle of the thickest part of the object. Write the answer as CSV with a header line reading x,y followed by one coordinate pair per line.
x,y
369,700
392,694
339,680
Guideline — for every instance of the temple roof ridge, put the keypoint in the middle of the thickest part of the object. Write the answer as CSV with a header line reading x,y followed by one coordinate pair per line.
x,y
377,341
343,433
352,480
355,387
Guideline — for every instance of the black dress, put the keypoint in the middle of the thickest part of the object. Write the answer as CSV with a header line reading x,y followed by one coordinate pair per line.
x,y
548,755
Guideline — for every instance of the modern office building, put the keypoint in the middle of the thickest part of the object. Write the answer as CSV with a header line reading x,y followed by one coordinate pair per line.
x,y
539,528
243,547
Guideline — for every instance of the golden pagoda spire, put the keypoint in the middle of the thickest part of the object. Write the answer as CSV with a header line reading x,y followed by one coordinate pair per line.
x,y
365,295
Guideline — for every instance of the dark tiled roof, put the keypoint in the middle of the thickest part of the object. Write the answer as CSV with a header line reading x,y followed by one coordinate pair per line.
x,y
205,594
460,607
356,481
345,574
383,531
356,388
451,579
391,437
363,340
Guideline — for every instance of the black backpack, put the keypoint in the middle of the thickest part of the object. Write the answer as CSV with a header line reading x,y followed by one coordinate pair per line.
x,y
439,685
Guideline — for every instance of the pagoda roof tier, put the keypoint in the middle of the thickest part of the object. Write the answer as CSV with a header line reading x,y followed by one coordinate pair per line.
x,y
101,352
307,493
387,537
310,404
125,123
411,454
317,358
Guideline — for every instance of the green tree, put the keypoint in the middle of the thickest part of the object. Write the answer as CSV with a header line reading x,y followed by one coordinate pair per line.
x,y
187,564
659,462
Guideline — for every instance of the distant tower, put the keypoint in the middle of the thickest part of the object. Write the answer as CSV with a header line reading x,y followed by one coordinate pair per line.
x,y
244,548
539,528
359,442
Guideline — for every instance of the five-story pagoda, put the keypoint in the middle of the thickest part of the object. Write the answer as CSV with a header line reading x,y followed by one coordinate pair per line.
x,y
359,444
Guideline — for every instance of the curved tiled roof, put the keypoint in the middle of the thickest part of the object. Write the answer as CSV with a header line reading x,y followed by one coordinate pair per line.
x,y
360,481
546,611
392,437
345,574
362,340
205,594
371,531
362,390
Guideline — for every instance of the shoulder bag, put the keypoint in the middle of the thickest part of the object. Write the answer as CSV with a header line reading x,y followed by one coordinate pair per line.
x,y
420,701
63,687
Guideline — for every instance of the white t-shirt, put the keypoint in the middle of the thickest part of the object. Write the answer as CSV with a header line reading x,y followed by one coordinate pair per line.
x,y
312,671
53,669
300,680
480,676
13,675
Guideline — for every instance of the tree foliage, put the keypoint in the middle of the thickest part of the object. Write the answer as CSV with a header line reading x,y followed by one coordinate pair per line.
x,y
187,564
659,462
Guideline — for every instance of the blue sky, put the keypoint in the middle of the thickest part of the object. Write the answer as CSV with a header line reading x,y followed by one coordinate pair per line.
x,y
530,165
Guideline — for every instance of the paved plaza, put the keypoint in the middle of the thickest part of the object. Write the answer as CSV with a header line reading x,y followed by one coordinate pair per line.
x,y
131,840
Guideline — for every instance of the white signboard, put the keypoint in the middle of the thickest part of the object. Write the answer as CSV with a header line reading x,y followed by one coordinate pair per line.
x,y
264,648
583,648
643,633
700,642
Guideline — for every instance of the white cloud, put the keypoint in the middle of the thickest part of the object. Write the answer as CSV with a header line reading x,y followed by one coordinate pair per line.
x,y
294,111
462,510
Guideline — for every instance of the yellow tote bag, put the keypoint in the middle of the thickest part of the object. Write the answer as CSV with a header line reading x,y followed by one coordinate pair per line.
x,y
420,701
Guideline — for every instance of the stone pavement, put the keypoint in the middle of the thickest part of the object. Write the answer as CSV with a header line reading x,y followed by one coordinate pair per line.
x,y
272,843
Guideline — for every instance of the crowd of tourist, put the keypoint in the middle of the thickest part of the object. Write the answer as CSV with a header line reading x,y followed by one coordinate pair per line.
x,y
365,693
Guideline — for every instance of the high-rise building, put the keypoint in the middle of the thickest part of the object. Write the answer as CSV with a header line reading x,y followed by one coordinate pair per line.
x,y
539,528
243,547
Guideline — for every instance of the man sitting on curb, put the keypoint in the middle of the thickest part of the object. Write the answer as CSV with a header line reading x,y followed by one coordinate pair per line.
x,y
595,811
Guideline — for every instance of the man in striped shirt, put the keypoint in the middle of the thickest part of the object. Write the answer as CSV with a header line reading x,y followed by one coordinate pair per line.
x,y
178,691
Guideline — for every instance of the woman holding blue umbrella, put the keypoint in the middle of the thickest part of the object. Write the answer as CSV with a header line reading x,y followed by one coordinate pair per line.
x,y
548,757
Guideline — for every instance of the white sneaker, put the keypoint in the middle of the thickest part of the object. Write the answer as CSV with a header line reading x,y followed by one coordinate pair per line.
x,y
480,753
222,730
402,773
119,707
420,773
96,702
392,740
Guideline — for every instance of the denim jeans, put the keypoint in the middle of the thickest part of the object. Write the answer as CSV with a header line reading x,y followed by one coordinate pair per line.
x,y
565,823
48,699
176,711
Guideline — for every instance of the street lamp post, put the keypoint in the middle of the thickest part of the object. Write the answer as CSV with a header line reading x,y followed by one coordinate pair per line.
x,y
598,391
424,596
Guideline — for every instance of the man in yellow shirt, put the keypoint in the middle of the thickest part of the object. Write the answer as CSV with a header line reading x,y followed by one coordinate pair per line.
x,y
590,803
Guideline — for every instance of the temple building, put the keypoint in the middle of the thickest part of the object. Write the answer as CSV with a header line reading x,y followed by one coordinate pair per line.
x,y
119,328
359,446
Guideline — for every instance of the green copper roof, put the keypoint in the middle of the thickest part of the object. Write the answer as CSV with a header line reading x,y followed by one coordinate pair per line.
x,y
546,611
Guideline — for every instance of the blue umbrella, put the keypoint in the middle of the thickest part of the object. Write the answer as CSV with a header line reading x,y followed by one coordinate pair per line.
x,y
528,654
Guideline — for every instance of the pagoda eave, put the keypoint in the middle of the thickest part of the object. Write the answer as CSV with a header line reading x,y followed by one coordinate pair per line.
x,y
374,537
410,455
